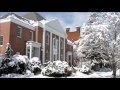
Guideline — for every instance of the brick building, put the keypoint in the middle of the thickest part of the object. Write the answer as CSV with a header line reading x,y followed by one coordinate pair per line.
x,y
74,37
34,36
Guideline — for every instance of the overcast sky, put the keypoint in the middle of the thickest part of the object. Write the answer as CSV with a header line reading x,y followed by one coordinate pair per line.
x,y
67,19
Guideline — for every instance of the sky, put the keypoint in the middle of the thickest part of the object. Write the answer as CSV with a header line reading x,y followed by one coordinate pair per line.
x,y
67,19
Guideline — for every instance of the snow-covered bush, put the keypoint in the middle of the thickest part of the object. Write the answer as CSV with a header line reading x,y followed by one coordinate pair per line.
x,y
35,65
15,64
57,69
84,69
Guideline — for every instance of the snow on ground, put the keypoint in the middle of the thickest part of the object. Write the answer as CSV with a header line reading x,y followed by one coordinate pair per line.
x,y
98,74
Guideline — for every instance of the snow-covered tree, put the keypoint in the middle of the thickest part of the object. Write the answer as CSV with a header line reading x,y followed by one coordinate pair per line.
x,y
92,40
101,38
9,51
113,20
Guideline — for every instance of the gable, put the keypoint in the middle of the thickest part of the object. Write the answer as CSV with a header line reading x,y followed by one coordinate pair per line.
x,y
55,24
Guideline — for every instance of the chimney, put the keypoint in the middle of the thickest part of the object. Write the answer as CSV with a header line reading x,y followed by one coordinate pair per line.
x,y
78,29
67,30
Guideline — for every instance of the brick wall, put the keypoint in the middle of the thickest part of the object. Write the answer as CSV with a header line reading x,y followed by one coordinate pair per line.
x,y
19,44
5,31
73,35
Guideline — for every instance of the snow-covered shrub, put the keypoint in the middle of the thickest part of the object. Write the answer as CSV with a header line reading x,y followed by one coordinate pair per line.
x,y
35,65
15,64
57,69
85,69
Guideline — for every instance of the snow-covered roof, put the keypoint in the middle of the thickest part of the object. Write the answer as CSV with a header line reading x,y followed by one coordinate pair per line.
x,y
53,25
17,19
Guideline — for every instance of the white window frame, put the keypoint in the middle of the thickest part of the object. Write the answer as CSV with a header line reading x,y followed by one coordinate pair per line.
x,y
47,35
20,28
2,40
31,36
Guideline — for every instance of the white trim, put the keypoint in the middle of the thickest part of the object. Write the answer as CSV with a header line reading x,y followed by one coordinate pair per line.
x,y
50,46
43,57
32,44
30,51
38,24
22,23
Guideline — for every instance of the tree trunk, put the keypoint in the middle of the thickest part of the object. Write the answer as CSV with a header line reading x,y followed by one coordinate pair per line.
x,y
114,70
114,67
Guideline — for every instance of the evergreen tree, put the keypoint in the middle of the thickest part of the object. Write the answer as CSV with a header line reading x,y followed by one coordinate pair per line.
x,y
9,51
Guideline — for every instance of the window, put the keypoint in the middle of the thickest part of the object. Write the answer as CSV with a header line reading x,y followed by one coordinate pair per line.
x,y
54,43
31,35
1,40
19,32
47,39
46,56
61,43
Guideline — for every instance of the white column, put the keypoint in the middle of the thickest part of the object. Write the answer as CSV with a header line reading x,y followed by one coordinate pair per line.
x,y
64,49
30,51
59,47
39,52
50,46
43,55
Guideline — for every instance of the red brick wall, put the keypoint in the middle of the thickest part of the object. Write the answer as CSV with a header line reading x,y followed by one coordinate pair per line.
x,y
19,44
5,31
73,35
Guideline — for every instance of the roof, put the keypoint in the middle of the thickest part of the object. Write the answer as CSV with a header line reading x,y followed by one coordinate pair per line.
x,y
34,16
8,14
